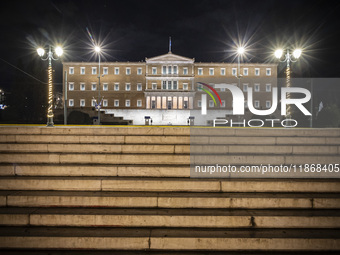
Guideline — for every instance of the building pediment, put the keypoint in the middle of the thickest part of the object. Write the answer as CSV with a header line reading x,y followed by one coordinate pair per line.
x,y
169,58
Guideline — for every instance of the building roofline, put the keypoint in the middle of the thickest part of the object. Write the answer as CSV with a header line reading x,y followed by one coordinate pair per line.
x,y
103,63
233,63
144,63
170,54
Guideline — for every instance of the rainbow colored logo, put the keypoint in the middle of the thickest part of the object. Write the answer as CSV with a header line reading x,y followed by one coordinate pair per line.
x,y
209,93
204,97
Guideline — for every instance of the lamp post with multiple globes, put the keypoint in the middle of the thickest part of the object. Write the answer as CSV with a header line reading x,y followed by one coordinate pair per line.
x,y
99,101
289,57
58,52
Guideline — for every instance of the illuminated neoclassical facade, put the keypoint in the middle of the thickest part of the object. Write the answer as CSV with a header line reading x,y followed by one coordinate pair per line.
x,y
165,88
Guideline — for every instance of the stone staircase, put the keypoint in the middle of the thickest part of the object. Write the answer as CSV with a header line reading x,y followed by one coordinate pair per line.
x,y
127,190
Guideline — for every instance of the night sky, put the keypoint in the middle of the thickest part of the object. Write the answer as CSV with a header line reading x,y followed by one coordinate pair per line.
x,y
205,30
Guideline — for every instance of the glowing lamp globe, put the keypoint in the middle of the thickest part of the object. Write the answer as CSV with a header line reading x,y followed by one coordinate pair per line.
x,y
41,52
58,51
240,50
297,53
278,53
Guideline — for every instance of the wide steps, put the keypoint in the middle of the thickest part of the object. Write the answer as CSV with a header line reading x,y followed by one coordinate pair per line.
x,y
168,184
93,170
76,158
177,239
166,200
172,218
174,139
126,190
168,131
162,159
169,149
180,171
158,252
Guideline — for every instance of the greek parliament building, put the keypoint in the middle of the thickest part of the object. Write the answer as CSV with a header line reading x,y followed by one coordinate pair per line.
x,y
166,89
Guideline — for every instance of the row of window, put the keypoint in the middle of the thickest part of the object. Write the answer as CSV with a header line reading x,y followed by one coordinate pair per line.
x,y
246,86
105,86
234,72
166,85
105,103
168,103
165,70
257,87
256,103
170,85
106,70
170,69
173,70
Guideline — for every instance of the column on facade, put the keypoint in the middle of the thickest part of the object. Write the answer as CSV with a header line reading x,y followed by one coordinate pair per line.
x,y
164,102
191,103
169,102
174,103
180,102
159,102
148,102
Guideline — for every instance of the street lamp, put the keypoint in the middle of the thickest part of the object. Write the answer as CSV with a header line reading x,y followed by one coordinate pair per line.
x,y
240,52
288,58
97,50
41,52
